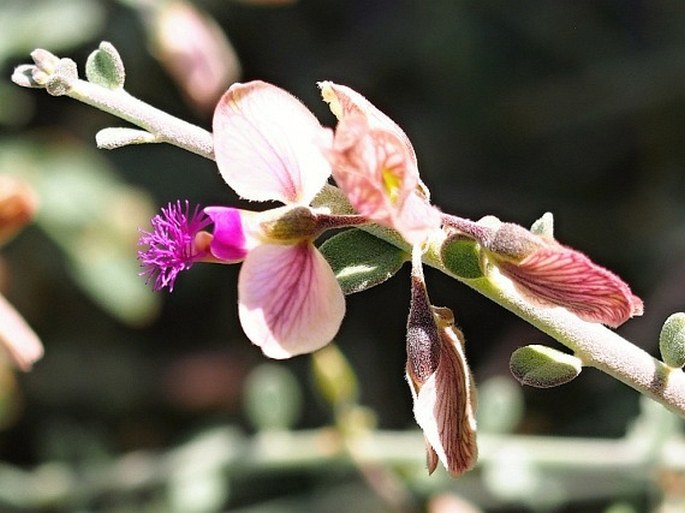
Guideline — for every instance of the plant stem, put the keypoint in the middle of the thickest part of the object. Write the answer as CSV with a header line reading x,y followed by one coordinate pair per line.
x,y
596,345
165,127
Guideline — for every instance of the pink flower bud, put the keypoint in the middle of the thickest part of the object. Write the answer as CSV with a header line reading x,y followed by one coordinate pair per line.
x,y
549,273
441,383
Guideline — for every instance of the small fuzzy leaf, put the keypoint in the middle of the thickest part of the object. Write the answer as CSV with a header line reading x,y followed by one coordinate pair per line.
x,y
105,67
543,367
672,341
461,256
118,137
360,260
23,76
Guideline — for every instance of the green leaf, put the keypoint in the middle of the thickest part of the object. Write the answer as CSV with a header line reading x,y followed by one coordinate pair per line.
x,y
105,67
672,341
461,256
543,367
360,260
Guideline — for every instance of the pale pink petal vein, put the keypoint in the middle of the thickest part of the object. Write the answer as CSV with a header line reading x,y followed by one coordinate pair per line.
x,y
289,300
268,145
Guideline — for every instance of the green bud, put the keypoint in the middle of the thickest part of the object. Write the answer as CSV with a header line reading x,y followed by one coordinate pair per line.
x,y
543,367
104,67
672,341
462,256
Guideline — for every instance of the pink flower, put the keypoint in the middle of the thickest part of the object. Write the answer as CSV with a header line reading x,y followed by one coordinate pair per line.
x,y
174,244
375,165
268,148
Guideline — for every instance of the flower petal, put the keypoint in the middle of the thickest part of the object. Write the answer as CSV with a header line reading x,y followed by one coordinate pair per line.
x,y
376,172
443,407
228,242
565,277
17,338
344,101
289,300
268,145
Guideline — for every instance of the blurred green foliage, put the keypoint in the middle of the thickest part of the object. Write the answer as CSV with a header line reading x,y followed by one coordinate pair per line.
x,y
514,109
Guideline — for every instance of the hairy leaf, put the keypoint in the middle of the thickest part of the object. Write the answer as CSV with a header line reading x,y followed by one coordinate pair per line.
x,y
360,260
543,367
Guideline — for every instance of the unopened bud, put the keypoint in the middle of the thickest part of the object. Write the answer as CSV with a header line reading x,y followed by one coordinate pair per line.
x,y
62,80
461,255
672,341
195,51
543,367
513,243
45,61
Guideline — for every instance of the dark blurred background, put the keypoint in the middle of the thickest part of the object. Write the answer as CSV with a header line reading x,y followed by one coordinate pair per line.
x,y
514,109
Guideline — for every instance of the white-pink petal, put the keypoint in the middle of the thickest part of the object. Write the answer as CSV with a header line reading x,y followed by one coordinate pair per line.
x,y
344,101
289,301
268,146
17,338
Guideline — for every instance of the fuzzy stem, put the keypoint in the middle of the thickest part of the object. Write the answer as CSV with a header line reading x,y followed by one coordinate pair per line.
x,y
596,345
593,343
165,127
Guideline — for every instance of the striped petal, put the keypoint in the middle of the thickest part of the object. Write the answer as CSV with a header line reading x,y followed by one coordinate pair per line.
x,y
268,146
562,276
289,300
344,101
375,170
